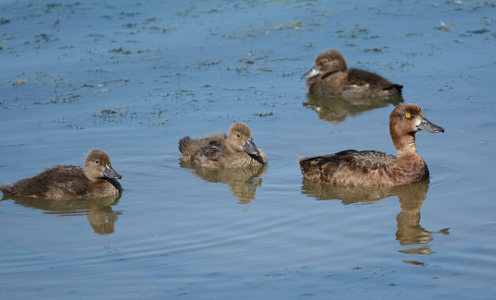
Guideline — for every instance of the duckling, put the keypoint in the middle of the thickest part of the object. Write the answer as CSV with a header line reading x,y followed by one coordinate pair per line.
x,y
330,76
233,150
374,168
96,179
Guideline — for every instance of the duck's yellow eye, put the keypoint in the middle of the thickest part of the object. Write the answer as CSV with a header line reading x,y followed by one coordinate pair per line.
x,y
407,116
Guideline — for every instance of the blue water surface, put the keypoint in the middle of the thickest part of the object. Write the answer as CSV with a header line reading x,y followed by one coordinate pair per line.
x,y
133,77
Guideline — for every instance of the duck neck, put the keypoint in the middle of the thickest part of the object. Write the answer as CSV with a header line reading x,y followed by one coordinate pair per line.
x,y
230,147
90,176
405,144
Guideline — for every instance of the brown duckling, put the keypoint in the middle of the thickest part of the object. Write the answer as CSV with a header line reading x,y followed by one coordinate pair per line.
x,y
96,179
374,168
330,76
233,150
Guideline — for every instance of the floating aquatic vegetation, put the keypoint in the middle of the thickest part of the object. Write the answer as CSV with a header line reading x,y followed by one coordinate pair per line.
x,y
296,25
42,37
159,116
128,14
19,81
120,50
50,6
68,124
478,31
69,98
114,115
380,49
413,33
264,114
446,27
130,25
160,29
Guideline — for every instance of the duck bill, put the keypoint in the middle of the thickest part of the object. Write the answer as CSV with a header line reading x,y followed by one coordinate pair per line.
x,y
310,74
251,148
111,173
428,126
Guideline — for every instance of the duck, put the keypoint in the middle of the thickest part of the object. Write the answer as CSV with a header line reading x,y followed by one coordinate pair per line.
x,y
233,150
95,180
372,168
331,77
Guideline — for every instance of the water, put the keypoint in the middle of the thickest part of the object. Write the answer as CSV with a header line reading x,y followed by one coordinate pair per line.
x,y
134,77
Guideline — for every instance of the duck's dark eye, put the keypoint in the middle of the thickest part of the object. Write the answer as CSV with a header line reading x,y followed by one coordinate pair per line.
x,y
324,61
238,135
97,162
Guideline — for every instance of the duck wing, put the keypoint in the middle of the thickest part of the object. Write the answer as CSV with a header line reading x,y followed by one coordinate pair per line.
x,y
368,159
214,150
361,77
61,178
73,187
344,167
68,179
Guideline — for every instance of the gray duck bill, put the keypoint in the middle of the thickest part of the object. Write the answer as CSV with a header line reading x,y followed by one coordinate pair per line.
x,y
428,126
111,173
251,148
310,74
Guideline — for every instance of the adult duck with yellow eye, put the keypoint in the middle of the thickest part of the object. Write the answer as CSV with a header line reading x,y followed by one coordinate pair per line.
x,y
374,168
233,150
331,77
96,179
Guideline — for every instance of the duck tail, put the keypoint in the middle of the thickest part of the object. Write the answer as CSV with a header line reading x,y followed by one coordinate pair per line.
x,y
395,86
7,191
183,143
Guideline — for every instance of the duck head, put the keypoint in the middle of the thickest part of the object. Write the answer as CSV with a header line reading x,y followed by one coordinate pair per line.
x,y
326,63
240,139
98,166
406,120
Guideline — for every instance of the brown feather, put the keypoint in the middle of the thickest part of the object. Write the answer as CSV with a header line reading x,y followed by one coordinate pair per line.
x,y
375,168
68,182
221,150
335,79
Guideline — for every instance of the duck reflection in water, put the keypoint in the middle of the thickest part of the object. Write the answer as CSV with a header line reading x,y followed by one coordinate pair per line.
x,y
242,181
336,109
411,196
99,211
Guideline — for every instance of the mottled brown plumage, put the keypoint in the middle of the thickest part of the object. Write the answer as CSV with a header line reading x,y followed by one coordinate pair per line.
x,y
233,150
330,76
374,168
96,179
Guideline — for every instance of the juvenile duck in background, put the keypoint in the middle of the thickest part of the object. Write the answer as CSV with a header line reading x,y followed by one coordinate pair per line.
x,y
330,76
96,179
374,168
233,150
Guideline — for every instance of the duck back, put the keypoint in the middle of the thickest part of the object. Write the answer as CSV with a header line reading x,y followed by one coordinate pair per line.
x,y
350,168
61,182
204,151
362,83
57,182
362,77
